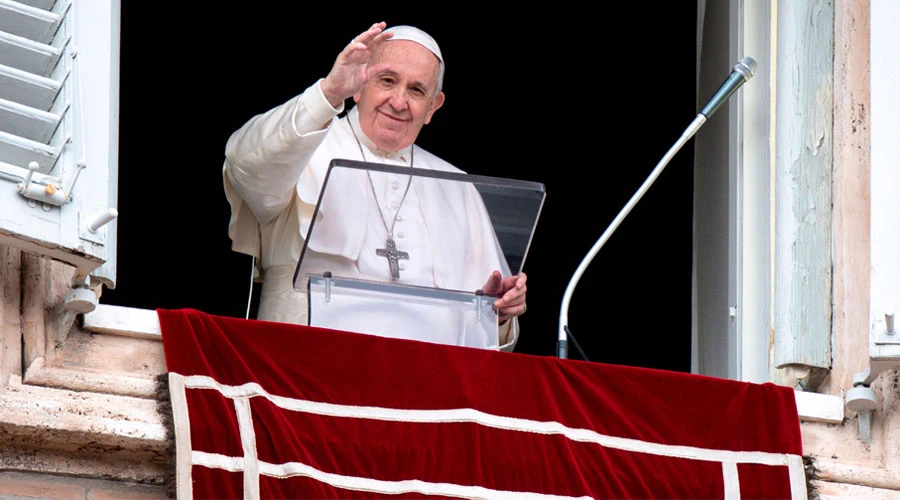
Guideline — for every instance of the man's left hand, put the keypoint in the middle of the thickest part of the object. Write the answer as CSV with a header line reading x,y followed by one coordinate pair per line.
x,y
511,294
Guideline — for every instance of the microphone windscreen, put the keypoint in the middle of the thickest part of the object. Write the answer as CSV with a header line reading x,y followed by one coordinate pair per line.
x,y
747,67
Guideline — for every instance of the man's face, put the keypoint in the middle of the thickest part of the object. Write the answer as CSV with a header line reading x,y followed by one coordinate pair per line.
x,y
398,101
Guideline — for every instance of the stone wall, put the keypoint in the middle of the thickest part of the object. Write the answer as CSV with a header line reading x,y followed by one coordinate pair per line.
x,y
79,410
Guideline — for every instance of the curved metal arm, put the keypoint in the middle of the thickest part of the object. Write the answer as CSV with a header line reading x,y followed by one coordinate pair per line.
x,y
567,297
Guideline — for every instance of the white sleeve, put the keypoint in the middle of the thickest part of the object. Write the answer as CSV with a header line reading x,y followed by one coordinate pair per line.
x,y
508,334
265,157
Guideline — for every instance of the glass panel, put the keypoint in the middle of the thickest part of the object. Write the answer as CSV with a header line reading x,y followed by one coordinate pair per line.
x,y
413,230
469,220
416,313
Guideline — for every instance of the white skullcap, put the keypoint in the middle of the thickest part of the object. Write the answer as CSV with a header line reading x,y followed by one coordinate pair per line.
x,y
414,34
411,33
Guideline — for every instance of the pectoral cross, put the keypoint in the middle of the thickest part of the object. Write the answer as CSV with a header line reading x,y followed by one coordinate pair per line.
x,y
393,256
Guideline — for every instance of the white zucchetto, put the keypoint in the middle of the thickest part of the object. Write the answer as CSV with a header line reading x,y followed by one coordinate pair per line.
x,y
414,34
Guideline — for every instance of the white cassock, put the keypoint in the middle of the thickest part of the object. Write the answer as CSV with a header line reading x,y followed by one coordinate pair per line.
x,y
271,212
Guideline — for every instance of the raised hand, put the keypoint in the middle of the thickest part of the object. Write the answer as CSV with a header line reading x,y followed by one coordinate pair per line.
x,y
351,69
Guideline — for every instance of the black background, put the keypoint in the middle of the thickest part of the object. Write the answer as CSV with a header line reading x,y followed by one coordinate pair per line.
x,y
585,101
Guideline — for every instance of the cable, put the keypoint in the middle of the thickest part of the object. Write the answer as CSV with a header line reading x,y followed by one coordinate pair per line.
x,y
583,355
250,295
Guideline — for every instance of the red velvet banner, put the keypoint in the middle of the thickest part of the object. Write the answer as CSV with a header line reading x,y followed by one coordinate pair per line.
x,y
270,410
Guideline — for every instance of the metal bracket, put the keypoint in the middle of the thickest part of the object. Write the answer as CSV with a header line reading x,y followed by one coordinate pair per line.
x,y
862,398
49,193
885,332
479,303
95,230
884,354
328,284
80,298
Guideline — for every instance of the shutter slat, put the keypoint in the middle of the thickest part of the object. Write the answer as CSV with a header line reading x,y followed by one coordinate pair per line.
x,y
23,20
40,4
20,152
27,88
27,122
28,55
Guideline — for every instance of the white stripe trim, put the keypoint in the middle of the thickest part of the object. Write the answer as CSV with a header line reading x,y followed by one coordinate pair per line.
x,y
292,469
489,420
217,461
731,481
797,473
182,424
248,442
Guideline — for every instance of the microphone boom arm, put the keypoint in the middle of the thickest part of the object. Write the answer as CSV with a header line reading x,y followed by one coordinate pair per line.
x,y
562,348
743,71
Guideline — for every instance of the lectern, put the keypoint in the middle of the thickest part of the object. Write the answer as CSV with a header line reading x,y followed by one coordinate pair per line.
x,y
472,224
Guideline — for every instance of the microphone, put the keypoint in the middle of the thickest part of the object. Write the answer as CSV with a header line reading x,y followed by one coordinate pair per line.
x,y
743,70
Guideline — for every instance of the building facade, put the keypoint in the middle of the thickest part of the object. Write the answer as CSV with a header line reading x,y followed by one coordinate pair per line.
x,y
795,193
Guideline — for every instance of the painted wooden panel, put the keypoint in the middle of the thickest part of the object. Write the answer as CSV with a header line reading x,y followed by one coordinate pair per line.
x,y
59,161
885,183
803,183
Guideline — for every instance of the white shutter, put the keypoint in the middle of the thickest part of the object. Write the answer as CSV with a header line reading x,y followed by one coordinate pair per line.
x,y
59,71
884,182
